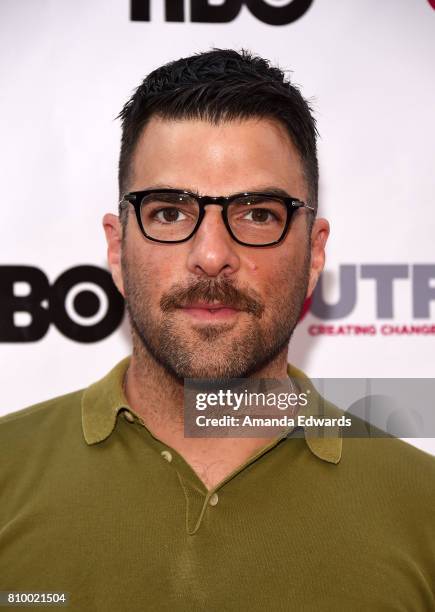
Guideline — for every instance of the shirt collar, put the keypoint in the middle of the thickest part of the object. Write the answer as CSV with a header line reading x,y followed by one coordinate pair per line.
x,y
325,443
102,401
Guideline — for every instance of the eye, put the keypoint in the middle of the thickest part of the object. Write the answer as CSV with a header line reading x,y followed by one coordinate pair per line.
x,y
169,214
260,215
257,209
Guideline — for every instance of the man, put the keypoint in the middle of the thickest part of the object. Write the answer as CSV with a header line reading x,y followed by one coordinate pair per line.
x,y
215,250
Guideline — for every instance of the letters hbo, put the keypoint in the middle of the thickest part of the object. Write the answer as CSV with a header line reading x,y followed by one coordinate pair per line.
x,y
83,303
272,12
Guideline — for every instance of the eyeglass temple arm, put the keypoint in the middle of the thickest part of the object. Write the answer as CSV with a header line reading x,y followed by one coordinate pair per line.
x,y
299,204
127,198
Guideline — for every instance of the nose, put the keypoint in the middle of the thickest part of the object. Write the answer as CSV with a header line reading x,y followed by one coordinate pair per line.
x,y
212,250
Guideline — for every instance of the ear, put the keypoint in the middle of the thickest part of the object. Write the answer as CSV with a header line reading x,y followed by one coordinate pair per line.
x,y
319,236
113,231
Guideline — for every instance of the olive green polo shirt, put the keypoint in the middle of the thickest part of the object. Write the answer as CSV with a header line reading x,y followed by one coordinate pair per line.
x,y
92,504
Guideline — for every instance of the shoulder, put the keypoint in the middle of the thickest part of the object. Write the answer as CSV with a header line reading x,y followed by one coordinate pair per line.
x,y
36,442
45,421
41,410
382,466
375,447
368,446
384,452
371,447
391,473
39,447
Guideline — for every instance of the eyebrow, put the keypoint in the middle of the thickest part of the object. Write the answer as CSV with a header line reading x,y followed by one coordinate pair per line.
x,y
270,189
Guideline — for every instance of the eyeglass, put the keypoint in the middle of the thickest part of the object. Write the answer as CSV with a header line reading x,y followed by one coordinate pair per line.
x,y
252,219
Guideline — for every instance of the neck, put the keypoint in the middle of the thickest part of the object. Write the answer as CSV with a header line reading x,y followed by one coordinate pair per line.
x,y
157,397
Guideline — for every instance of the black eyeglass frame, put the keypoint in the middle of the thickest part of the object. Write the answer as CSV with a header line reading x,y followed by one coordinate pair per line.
x,y
292,204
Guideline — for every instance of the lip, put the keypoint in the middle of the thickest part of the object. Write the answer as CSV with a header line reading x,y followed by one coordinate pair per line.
x,y
210,312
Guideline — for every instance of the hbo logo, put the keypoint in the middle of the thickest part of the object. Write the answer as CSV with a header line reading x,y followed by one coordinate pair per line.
x,y
273,12
83,304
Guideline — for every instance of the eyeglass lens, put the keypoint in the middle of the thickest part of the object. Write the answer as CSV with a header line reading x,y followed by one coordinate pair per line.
x,y
252,219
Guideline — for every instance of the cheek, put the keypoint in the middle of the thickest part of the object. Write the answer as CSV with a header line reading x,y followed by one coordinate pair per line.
x,y
280,276
155,269
270,271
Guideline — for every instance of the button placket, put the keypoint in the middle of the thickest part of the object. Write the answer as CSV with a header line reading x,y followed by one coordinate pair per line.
x,y
214,498
166,455
128,416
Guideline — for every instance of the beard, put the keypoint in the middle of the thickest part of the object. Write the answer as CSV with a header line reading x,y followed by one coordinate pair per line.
x,y
220,350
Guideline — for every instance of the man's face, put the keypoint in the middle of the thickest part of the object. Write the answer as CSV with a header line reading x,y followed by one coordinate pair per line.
x,y
167,287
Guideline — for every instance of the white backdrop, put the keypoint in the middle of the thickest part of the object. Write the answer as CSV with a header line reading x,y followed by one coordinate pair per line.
x,y
367,67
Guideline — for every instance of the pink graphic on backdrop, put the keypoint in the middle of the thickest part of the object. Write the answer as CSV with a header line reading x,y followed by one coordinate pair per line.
x,y
432,3
306,306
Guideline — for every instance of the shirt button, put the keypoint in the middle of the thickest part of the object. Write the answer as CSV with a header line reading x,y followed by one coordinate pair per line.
x,y
128,416
213,499
166,455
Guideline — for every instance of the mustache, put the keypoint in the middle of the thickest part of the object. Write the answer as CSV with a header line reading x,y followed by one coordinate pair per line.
x,y
206,290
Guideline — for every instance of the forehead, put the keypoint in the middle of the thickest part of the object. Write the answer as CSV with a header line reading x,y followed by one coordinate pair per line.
x,y
229,156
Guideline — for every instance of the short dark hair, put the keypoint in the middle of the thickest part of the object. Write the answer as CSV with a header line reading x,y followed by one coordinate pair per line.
x,y
219,85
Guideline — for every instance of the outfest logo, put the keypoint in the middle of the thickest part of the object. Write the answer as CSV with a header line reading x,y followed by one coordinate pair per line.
x,y
420,279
